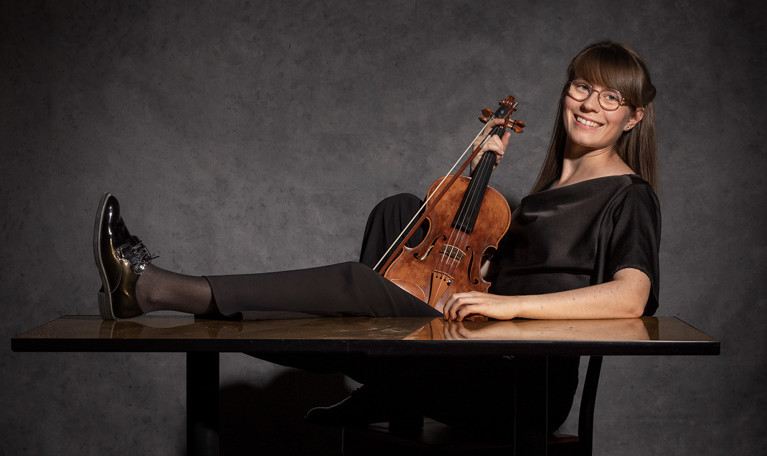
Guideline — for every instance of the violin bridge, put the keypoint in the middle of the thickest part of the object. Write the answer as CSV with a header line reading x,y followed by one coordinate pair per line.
x,y
453,252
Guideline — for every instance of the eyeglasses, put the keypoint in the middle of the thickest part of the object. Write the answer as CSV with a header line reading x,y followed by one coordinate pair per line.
x,y
609,99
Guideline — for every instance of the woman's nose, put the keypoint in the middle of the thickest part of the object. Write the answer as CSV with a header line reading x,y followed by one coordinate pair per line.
x,y
592,101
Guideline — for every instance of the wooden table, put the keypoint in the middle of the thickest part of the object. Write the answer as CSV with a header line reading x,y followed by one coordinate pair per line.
x,y
530,341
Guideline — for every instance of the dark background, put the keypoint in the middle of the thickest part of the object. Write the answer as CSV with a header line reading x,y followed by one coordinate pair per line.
x,y
246,136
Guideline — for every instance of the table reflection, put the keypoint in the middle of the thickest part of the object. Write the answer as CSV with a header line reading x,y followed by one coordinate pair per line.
x,y
556,330
347,328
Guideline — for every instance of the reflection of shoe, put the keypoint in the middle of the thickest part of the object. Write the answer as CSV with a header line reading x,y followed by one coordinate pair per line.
x,y
120,258
364,406
111,329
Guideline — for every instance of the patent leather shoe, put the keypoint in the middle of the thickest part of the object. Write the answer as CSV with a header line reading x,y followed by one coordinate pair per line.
x,y
120,258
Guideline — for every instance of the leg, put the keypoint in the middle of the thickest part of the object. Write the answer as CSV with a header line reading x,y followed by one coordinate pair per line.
x,y
158,289
385,223
346,289
337,290
131,286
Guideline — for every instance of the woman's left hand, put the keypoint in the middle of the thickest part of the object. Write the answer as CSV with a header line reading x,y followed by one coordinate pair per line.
x,y
494,144
462,305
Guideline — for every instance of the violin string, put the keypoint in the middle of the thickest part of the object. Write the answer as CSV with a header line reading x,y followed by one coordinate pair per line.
x,y
457,239
458,236
454,237
476,193
473,199
409,224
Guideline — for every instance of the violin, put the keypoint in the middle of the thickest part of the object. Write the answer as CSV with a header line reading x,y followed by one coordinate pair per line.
x,y
466,221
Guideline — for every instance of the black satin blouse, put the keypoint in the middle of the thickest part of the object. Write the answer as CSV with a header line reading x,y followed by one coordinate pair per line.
x,y
580,235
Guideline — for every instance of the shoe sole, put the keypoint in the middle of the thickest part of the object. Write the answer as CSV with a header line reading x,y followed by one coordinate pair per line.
x,y
104,296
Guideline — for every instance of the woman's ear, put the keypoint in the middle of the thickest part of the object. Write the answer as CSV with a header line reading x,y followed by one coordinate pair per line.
x,y
635,118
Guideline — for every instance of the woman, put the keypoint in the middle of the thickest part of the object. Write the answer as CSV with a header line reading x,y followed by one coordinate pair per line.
x,y
583,244
604,136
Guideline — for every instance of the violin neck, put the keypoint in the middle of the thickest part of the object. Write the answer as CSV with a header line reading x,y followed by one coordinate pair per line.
x,y
468,211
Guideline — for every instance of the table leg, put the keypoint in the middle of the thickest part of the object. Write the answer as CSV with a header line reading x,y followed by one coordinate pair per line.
x,y
532,400
202,391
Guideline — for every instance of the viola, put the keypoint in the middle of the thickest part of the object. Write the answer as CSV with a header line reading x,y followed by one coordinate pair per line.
x,y
466,221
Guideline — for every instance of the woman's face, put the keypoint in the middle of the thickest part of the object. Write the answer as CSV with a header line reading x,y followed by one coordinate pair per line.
x,y
591,128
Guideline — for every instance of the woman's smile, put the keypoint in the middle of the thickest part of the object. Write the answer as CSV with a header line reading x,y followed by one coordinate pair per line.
x,y
587,122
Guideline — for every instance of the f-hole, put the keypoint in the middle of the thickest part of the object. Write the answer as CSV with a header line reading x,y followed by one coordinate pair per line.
x,y
441,237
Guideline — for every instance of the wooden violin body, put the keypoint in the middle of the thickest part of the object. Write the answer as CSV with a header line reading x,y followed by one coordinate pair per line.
x,y
466,221
443,264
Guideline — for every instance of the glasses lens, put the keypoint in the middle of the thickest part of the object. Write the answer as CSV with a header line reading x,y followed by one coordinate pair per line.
x,y
610,99
580,89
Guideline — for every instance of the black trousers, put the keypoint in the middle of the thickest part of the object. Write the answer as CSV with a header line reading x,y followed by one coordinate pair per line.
x,y
346,289
470,392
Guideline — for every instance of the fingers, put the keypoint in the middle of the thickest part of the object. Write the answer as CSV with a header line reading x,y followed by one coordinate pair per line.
x,y
502,141
453,331
493,123
494,143
461,305
488,128
505,139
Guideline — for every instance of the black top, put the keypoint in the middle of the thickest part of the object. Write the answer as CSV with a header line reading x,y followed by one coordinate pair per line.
x,y
580,235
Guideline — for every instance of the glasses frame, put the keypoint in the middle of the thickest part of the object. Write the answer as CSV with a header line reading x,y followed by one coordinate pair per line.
x,y
591,91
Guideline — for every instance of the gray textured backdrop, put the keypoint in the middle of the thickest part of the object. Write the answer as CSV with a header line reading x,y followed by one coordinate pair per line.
x,y
246,136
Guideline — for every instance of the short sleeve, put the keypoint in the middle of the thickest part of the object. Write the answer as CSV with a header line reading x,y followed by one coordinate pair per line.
x,y
633,240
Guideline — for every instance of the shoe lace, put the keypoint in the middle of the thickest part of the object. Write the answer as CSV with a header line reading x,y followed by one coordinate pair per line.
x,y
136,254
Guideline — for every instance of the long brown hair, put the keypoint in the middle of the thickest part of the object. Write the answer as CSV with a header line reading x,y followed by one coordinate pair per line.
x,y
613,65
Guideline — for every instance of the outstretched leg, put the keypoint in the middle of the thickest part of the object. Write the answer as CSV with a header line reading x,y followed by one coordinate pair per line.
x,y
132,286
337,290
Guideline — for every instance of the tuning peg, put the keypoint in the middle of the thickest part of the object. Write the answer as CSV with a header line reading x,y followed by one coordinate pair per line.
x,y
514,125
486,113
